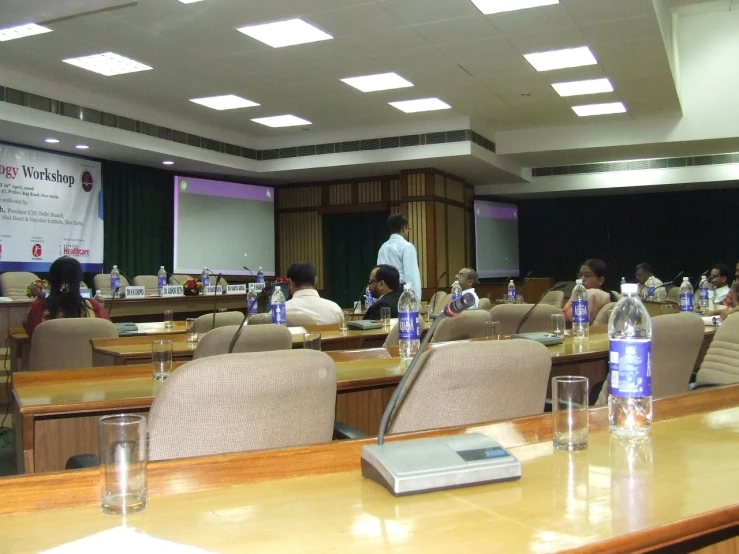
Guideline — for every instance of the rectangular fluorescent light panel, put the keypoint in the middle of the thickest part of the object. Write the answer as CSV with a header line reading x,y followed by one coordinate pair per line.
x,y
420,105
108,64
381,81
578,88
599,109
224,102
22,31
497,6
285,33
561,59
190,1
281,121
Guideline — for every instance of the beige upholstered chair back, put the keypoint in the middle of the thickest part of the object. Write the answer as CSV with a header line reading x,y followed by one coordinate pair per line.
x,y
467,325
673,294
65,343
567,290
298,320
101,282
438,301
676,342
262,338
149,282
243,402
721,363
179,279
204,323
468,383
260,319
13,284
484,304
602,316
554,298
393,337
510,314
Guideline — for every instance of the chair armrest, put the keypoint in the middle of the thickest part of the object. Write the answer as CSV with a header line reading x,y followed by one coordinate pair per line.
x,y
342,431
81,461
694,386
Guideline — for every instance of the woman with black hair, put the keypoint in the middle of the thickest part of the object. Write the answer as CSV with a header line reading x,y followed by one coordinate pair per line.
x,y
593,273
64,300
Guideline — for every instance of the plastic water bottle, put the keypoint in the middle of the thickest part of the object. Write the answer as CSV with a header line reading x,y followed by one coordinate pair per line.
x,y
161,279
580,313
252,301
368,298
686,296
457,290
511,297
205,277
705,294
115,279
278,307
408,323
630,372
623,281
260,276
650,288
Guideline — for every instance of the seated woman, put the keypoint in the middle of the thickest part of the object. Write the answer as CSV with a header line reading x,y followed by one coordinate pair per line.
x,y
64,300
593,273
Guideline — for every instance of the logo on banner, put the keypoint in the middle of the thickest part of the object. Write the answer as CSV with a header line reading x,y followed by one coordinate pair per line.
x,y
36,251
75,251
87,181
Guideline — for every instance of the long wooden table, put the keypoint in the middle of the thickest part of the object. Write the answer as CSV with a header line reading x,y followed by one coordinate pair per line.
x,y
678,491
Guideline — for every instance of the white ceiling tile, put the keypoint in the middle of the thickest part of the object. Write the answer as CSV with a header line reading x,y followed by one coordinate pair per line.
x,y
414,12
593,11
463,29
534,20
357,20
383,42
556,39
477,50
632,58
621,30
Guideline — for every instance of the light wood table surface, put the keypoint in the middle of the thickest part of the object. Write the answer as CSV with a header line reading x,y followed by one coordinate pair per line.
x,y
678,491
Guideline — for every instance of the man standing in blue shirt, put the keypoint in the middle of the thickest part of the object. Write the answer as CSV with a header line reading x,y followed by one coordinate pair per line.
x,y
400,253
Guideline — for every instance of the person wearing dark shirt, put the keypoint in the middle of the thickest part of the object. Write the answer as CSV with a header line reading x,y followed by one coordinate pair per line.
x,y
384,284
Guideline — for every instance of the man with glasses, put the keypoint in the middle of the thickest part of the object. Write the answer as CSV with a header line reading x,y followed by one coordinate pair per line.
x,y
647,280
400,253
384,284
467,278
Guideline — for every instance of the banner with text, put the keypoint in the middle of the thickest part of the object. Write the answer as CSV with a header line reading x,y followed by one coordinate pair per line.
x,y
50,206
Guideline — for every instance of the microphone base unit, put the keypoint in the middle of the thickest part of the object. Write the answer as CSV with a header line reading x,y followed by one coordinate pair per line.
x,y
547,339
364,325
435,464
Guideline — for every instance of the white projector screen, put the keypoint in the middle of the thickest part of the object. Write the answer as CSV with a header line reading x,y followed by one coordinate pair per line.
x,y
217,223
496,239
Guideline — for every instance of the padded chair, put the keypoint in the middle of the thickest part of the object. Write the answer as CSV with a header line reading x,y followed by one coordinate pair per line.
x,y
469,383
262,338
484,304
178,279
467,325
393,337
260,319
554,298
101,282
510,314
299,320
602,316
438,301
65,343
721,364
673,295
149,282
13,284
204,323
244,402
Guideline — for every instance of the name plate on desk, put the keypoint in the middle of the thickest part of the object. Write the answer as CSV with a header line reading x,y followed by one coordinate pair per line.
x,y
236,289
211,289
173,290
258,287
135,292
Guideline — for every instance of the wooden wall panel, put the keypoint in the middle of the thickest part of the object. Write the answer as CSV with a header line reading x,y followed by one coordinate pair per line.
x,y
469,236
340,194
440,185
394,190
416,184
301,239
455,190
417,222
441,245
300,197
369,192
455,239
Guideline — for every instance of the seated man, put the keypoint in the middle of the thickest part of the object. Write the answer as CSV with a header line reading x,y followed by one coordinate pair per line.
x,y
647,280
305,300
719,280
468,279
384,284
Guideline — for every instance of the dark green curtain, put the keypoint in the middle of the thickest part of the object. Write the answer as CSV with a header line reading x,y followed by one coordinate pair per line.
x,y
350,245
138,218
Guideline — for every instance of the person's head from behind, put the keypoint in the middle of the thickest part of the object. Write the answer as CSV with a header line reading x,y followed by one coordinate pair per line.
x,y
720,275
65,277
383,279
593,273
643,272
467,278
397,224
301,275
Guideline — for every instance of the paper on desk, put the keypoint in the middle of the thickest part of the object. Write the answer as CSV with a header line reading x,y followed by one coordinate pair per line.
x,y
124,540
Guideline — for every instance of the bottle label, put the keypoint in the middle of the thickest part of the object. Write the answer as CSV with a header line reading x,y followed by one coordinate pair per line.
x,y
511,295
260,278
162,282
704,294
455,296
650,292
251,305
630,364
115,282
408,326
278,314
205,281
686,302
580,311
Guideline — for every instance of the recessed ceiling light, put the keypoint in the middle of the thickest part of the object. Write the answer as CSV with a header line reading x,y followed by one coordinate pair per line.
x,y
51,140
599,109
108,64
578,88
22,31
498,6
224,102
190,1
560,59
281,121
82,147
285,33
167,162
381,81
420,105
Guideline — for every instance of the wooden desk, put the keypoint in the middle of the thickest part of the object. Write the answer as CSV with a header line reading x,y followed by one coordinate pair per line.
x,y
677,491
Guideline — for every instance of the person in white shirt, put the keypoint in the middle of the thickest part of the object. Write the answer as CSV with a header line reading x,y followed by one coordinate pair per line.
x,y
647,280
400,253
305,299
718,282
467,278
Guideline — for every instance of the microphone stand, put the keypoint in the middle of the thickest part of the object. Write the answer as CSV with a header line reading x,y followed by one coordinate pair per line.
x,y
438,288
237,334
663,285
527,315
215,298
112,298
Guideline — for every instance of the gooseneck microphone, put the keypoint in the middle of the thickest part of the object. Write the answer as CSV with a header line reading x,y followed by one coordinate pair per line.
x,y
249,270
237,334
112,299
171,276
454,308
215,298
526,280
674,282
358,303
527,315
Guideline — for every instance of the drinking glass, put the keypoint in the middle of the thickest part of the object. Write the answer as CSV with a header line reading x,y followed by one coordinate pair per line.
x,y
344,325
519,299
557,325
425,310
123,482
161,357
312,341
168,319
192,335
492,330
385,316
570,412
